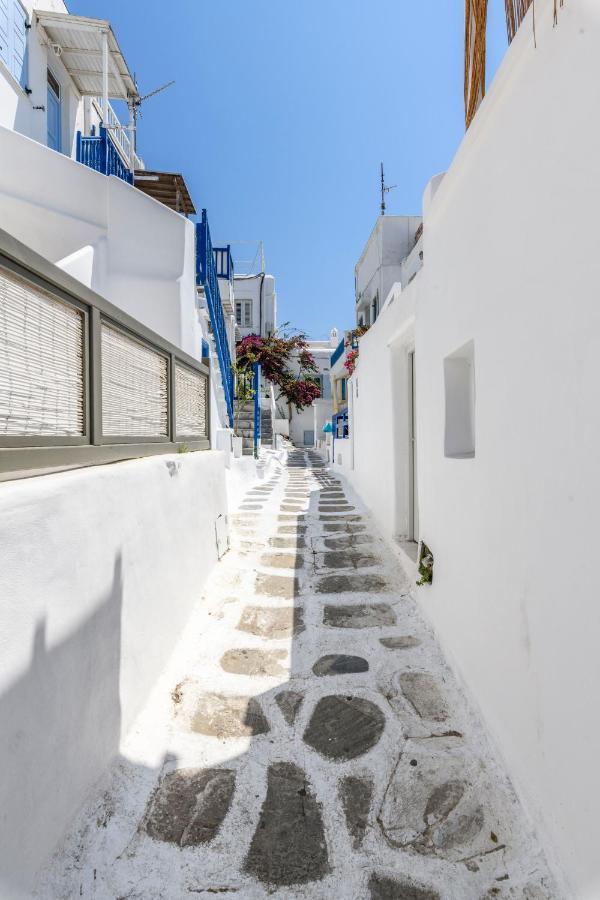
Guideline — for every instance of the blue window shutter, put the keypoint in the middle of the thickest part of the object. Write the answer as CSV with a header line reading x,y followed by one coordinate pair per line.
x,y
5,32
19,44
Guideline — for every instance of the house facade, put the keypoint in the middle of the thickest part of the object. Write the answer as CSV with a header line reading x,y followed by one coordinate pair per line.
x,y
306,426
380,263
255,304
471,423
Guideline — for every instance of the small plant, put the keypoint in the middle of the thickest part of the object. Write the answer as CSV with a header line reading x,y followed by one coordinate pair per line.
x,y
183,448
425,565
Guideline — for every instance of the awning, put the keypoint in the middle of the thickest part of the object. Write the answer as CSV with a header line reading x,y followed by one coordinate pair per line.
x,y
79,43
167,187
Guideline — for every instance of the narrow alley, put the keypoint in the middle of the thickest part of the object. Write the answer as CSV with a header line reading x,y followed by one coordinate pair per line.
x,y
308,739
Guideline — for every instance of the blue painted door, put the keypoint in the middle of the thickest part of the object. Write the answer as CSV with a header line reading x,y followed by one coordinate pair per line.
x,y
53,113
4,33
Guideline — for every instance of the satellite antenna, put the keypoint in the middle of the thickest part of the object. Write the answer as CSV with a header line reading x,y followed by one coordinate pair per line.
x,y
136,107
385,189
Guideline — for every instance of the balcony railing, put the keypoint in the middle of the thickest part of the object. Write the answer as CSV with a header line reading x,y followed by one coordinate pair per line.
x,y
206,277
100,153
118,132
338,351
224,262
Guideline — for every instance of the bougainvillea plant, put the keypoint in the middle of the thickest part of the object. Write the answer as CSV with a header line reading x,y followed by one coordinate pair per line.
x,y
275,354
352,357
350,362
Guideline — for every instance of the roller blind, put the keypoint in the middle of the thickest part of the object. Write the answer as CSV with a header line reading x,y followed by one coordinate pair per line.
x,y
134,387
190,402
42,383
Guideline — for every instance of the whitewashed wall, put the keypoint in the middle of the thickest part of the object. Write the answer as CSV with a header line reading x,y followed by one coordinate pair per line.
x,y
512,264
511,274
375,459
132,249
247,287
100,569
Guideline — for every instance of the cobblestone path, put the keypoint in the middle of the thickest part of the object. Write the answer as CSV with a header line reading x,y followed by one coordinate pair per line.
x,y
309,740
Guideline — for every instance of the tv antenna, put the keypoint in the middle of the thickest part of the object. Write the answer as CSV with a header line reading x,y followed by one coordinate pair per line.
x,y
137,104
385,189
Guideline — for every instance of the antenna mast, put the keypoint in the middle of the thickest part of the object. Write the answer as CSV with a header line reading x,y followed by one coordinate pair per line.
x,y
385,189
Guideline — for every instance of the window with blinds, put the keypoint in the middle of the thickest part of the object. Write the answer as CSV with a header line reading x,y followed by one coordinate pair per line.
x,y
190,402
135,387
42,380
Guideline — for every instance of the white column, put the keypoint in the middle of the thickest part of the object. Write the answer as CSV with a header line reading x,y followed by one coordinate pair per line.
x,y
105,77
131,137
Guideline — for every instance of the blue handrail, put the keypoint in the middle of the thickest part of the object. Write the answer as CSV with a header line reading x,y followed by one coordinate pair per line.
x,y
337,352
206,275
98,152
257,408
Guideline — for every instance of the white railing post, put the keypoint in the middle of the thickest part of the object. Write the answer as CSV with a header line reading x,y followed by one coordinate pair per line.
x,y
105,77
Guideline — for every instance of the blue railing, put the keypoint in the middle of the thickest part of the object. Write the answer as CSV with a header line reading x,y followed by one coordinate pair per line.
x,y
337,352
224,262
99,153
257,408
206,275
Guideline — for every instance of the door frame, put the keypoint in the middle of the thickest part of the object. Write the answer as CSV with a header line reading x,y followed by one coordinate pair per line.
x,y
58,97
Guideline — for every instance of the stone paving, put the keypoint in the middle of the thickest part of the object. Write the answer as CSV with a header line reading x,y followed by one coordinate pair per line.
x,y
308,739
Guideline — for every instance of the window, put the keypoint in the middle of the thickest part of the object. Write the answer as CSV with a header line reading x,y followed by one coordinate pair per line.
x,y
13,39
459,384
42,353
243,313
375,308
343,390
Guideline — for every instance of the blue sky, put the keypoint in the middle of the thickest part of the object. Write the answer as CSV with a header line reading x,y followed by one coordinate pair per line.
x,y
282,112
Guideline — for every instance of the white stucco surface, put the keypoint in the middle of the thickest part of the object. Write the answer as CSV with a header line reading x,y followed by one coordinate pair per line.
x,y
511,270
100,569
375,456
129,248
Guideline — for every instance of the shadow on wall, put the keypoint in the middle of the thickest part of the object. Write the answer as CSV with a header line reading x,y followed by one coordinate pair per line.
x,y
60,725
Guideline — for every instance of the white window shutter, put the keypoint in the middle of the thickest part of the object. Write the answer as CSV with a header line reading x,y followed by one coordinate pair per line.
x,y
42,381
18,63
135,387
190,402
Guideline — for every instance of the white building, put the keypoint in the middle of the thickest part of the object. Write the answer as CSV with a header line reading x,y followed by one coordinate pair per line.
x,y
380,264
473,423
255,304
306,426
132,244
102,336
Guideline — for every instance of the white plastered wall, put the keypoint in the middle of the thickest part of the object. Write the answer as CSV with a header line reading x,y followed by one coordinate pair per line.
x,y
128,247
511,263
100,570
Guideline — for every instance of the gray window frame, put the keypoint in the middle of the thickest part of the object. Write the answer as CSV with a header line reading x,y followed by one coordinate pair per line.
x,y
20,454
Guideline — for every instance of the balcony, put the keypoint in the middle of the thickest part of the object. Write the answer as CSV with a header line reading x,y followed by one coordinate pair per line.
x,y
100,153
224,262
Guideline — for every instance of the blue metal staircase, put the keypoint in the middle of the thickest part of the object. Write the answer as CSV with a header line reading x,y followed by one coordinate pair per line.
x,y
206,277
